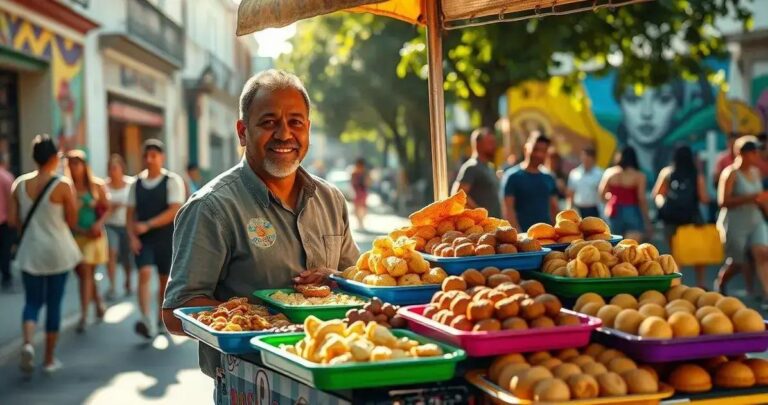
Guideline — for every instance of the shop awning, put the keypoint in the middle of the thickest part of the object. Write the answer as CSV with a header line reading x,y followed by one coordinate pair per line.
x,y
256,15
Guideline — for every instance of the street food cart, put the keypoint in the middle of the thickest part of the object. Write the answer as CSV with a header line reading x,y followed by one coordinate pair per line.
x,y
600,319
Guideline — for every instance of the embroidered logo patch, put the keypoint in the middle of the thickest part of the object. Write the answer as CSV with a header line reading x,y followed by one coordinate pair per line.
x,y
261,232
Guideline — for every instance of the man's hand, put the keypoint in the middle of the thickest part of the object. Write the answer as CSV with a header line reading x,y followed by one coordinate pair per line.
x,y
141,228
315,276
95,230
135,245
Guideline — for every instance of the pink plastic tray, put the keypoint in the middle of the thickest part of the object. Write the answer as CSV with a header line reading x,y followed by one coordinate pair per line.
x,y
479,344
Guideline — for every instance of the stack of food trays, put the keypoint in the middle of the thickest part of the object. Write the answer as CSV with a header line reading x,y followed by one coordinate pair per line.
x,y
488,313
230,326
568,228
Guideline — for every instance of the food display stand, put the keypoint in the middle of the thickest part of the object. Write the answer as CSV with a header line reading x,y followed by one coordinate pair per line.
x,y
245,379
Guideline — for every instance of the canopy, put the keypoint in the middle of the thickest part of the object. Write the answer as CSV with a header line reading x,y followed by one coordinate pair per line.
x,y
256,15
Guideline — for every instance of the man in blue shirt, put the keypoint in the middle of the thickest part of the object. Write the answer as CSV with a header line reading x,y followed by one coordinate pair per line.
x,y
529,195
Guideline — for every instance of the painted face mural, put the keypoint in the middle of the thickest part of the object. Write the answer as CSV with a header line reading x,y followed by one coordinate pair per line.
x,y
648,116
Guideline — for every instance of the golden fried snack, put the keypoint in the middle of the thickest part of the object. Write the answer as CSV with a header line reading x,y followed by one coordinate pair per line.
x,y
477,215
463,224
447,252
570,238
438,210
475,229
528,245
479,310
624,270
497,279
362,261
454,283
573,249
445,226
568,215
552,265
473,278
632,255
425,231
484,250
650,251
533,288
380,280
565,228
461,241
475,237
463,250
593,225
542,231
577,269
409,279
506,248
668,264
650,268
487,239
545,242
487,325
311,290
555,255
489,271
608,259
361,275
598,270
599,236
459,304
506,234
395,266
512,274
588,254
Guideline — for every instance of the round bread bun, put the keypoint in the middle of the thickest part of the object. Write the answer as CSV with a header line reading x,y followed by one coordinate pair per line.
x,y
716,324
628,321
564,319
588,298
565,227
522,385
510,371
473,278
704,311
747,320
655,328
553,255
542,231
551,390
594,369
551,363
537,357
608,314
551,304
502,361
533,288
593,225
594,349
675,292
512,273
760,369
611,385
690,378
568,215
708,298
711,364
566,354
514,323
692,294
729,305
621,364
605,236
591,309
625,301
583,386
652,310
570,238
652,297
680,305
734,374
530,245
542,322
566,370
582,360
684,324
609,354
640,382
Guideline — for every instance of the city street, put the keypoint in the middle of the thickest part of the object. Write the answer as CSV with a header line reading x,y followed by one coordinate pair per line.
x,y
109,363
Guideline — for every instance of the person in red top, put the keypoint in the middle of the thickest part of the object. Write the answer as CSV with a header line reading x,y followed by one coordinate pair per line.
x,y
623,188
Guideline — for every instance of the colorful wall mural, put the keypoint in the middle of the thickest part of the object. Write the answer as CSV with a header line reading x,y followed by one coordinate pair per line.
x,y
606,117
65,61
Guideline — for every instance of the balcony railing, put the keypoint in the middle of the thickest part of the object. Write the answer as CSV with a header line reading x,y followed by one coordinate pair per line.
x,y
225,78
148,23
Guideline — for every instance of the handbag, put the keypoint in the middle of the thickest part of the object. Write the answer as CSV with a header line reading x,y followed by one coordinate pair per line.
x,y
31,213
697,245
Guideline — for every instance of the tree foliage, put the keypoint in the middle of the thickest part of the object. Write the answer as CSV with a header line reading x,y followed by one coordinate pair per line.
x,y
649,44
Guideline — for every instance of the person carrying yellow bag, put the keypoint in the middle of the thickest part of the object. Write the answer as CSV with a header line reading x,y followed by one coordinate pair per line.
x,y
678,191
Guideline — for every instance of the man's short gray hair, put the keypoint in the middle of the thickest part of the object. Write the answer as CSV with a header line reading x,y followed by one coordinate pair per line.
x,y
271,79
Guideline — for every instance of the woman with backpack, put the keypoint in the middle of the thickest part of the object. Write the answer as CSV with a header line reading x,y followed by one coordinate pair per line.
x,y
42,206
742,225
678,191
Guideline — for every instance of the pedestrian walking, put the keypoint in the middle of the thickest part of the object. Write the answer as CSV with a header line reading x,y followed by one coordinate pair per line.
x,y
583,183
477,176
118,186
92,213
43,207
194,179
530,195
360,180
743,228
7,234
679,189
153,201
623,189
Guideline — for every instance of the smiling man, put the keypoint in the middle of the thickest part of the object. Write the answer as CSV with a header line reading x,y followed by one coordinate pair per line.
x,y
264,222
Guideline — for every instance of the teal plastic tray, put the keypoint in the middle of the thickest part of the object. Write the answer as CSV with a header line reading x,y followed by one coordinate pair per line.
x,y
358,375
566,287
298,314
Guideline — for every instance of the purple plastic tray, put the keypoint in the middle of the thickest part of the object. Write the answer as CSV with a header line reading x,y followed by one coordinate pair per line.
x,y
700,347
479,344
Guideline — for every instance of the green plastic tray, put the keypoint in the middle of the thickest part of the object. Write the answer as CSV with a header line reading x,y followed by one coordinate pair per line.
x,y
358,375
566,287
298,314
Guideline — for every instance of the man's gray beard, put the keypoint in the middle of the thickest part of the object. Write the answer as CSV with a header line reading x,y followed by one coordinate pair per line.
x,y
280,170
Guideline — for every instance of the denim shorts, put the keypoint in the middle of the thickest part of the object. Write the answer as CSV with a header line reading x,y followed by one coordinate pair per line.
x,y
625,219
119,242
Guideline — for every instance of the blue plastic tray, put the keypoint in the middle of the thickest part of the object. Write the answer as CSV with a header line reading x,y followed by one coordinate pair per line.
x,y
518,261
405,295
225,342
560,247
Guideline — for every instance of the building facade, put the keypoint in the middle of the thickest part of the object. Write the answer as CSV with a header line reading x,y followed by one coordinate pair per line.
x,y
42,77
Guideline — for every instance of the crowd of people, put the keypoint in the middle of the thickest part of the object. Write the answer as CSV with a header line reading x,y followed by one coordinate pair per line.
x,y
61,217
534,190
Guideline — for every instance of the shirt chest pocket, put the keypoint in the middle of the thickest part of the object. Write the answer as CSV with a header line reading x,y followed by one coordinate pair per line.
x,y
332,244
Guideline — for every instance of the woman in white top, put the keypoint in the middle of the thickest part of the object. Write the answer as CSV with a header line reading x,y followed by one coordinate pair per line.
x,y
119,187
47,250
